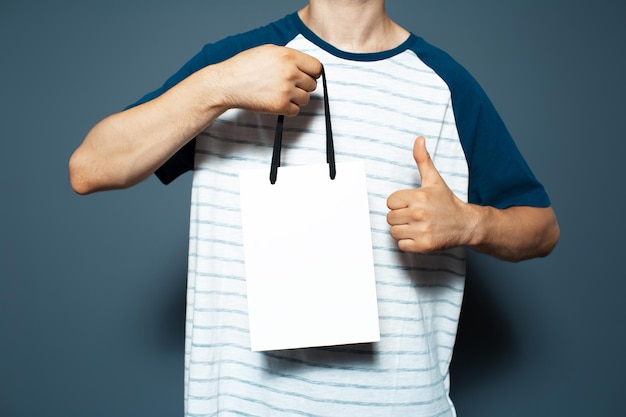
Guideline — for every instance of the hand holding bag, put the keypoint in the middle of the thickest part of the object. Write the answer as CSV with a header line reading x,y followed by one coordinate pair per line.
x,y
308,252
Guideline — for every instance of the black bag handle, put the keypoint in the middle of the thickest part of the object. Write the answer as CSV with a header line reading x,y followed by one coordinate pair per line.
x,y
330,147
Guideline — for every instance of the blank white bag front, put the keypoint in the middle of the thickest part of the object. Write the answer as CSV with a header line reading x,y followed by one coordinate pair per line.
x,y
308,257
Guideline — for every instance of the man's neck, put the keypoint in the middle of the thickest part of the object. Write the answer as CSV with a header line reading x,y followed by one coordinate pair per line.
x,y
360,26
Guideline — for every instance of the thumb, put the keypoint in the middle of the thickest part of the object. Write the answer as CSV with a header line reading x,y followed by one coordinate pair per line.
x,y
425,164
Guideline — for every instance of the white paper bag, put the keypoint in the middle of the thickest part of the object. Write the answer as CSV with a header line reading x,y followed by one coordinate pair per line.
x,y
308,257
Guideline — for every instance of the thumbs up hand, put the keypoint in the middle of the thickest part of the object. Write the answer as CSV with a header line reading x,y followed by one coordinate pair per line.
x,y
429,218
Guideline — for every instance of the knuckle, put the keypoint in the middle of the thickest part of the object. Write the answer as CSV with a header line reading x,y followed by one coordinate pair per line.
x,y
407,245
394,232
292,110
417,214
304,100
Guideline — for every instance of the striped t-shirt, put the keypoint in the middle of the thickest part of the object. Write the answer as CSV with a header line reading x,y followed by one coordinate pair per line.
x,y
379,103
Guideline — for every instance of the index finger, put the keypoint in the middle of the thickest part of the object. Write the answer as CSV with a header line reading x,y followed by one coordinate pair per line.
x,y
398,200
309,65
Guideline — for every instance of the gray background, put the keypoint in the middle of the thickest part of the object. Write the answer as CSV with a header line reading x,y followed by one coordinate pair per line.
x,y
92,288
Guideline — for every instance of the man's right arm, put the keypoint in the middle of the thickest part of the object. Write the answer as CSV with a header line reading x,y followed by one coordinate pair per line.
x,y
127,147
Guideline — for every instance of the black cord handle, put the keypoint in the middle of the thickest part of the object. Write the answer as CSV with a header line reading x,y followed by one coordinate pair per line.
x,y
330,147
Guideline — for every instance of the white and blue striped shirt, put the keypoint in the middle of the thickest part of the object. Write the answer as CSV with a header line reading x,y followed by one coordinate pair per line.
x,y
379,104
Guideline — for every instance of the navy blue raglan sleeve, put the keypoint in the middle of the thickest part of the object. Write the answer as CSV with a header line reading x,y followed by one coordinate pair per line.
x,y
498,173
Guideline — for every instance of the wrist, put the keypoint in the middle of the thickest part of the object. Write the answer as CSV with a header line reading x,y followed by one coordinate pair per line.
x,y
213,89
477,231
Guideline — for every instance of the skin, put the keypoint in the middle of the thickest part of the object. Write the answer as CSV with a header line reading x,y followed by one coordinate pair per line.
x,y
432,218
127,147
358,26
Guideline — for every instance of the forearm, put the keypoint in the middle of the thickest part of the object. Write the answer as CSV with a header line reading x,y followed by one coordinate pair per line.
x,y
126,147
514,234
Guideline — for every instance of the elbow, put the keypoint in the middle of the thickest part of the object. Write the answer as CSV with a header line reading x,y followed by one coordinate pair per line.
x,y
548,241
87,176
552,237
78,176
543,238
98,164
83,175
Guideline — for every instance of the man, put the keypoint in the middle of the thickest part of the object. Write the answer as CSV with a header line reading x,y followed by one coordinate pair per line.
x,y
386,86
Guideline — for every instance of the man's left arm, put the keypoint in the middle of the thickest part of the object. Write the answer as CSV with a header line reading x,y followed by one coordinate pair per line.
x,y
432,218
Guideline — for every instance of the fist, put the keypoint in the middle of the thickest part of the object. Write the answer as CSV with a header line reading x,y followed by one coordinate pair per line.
x,y
429,218
270,79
